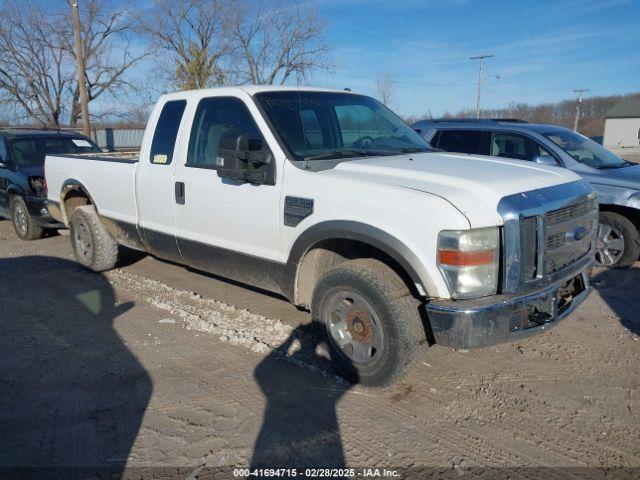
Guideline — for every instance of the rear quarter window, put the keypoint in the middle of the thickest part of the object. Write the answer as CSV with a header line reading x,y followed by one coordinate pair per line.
x,y
463,141
164,137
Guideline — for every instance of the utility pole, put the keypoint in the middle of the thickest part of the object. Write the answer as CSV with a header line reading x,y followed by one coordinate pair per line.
x,y
579,91
480,57
84,99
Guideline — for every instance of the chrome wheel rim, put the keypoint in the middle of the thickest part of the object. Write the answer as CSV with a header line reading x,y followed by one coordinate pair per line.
x,y
83,241
20,219
609,246
353,327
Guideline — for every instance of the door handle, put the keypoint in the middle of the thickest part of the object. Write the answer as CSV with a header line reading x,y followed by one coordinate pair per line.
x,y
179,191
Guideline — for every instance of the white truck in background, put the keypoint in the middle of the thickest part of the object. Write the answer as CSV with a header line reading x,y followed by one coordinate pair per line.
x,y
331,200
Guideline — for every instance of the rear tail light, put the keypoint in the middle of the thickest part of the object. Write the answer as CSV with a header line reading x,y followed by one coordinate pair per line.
x,y
39,185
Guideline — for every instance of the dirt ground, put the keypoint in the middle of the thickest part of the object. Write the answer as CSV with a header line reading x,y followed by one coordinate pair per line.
x,y
631,157
153,371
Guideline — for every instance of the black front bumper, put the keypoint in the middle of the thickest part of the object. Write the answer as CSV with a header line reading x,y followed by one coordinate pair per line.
x,y
39,210
504,318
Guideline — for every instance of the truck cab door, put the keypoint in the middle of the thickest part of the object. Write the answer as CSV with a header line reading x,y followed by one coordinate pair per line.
x,y
226,226
155,186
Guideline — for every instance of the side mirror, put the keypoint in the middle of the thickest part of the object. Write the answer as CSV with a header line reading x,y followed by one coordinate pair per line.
x,y
245,160
545,160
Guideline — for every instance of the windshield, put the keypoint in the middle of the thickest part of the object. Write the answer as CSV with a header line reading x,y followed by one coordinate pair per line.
x,y
30,152
328,125
585,150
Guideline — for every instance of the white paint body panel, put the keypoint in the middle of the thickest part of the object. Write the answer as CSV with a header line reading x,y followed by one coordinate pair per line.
x,y
410,197
111,184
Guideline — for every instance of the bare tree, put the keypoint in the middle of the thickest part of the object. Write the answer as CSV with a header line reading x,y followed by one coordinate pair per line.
x,y
107,48
34,70
192,33
275,41
385,87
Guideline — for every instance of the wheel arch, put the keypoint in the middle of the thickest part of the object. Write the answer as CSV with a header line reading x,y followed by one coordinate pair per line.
x,y
631,213
327,244
72,195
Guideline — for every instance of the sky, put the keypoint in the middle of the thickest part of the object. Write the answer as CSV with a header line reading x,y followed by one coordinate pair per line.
x,y
543,50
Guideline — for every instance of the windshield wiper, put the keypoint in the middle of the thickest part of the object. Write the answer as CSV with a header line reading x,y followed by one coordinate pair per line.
x,y
617,165
343,153
413,150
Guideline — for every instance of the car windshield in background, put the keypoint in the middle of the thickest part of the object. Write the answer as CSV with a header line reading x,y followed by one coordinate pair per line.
x,y
28,152
585,150
328,125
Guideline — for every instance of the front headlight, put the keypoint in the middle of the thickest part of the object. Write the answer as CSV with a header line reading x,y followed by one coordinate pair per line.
x,y
469,261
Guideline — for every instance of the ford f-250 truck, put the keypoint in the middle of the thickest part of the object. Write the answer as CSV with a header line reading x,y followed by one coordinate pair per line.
x,y
331,200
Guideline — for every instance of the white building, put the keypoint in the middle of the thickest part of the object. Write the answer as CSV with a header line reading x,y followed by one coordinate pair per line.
x,y
622,127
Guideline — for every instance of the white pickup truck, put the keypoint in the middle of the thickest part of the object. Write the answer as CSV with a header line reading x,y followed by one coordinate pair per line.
x,y
331,200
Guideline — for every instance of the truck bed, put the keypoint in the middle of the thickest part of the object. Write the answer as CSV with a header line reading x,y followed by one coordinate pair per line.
x,y
109,180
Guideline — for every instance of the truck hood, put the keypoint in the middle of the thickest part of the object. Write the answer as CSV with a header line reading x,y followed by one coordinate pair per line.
x,y
474,184
627,177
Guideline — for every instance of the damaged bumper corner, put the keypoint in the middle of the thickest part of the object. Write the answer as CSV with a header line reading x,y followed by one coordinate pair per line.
x,y
504,318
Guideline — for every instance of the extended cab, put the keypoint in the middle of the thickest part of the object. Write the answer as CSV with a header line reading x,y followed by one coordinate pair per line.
x,y
331,200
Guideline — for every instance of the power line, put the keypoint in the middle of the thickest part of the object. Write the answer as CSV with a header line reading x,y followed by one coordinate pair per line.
x,y
480,57
579,91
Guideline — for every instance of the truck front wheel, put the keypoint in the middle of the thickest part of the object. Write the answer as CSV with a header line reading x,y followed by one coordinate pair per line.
x,y
23,223
364,313
93,246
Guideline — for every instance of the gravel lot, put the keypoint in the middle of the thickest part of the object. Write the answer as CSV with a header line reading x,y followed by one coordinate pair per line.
x,y
632,157
153,365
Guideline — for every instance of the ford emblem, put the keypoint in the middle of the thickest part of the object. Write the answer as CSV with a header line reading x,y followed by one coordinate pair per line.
x,y
579,233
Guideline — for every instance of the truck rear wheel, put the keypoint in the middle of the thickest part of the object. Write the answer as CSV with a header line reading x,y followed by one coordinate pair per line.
x,y
365,314
24,224
93,246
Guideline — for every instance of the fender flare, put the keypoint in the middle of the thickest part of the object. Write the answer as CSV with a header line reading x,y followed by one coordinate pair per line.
x,y
15,189
67,186
362,232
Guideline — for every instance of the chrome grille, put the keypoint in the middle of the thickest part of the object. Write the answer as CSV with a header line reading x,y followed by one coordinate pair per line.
x,y
567,213
541,241
556,240
568,235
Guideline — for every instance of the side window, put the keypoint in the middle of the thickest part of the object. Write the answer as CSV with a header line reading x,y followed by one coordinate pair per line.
x,y
463,141
511,145
218,123
164,137
435,139
4,153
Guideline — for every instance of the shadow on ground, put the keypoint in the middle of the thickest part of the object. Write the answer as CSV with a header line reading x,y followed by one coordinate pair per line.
x,y
620,288
71,394
300,427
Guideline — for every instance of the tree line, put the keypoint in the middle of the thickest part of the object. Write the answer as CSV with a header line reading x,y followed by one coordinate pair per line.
x,y
185,44
593,112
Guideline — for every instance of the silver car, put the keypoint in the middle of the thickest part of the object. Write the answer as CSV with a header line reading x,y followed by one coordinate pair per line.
x,y
617,181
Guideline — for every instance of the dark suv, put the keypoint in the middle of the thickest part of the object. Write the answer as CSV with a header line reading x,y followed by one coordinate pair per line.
x,y
616,181
23,190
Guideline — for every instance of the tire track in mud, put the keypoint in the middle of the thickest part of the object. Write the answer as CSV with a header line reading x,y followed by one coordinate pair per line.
x,y
261,334
441,436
